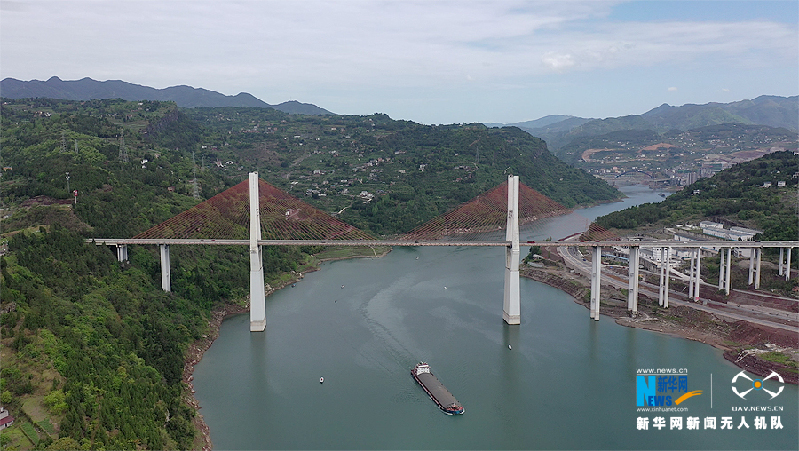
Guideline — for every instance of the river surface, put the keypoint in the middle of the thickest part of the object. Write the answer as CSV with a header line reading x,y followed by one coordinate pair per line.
x,y
565,381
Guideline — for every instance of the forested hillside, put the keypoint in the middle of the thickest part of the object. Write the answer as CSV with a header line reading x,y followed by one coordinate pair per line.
x,y
737,195
383,175
92,349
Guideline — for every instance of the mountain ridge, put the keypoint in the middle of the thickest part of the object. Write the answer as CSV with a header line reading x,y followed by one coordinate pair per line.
x,y
773,111
183,95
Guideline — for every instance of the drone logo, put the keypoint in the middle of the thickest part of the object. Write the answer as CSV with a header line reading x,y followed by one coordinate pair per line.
x,y
757,384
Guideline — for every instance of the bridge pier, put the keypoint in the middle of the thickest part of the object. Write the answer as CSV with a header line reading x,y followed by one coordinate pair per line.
x,y
122,253
511,304
632,294
691,277
728,272
788,265
698,280
668,273
751,267
779,264
725,265
166,272
257,291
596,281
665,270
758,256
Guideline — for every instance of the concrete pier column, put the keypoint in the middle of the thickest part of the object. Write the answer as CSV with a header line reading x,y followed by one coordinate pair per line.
x,y
666,284
122,253
728,272
758,256
721,268
596,281
788,265
779,265
698,281
662,276
751,267
511,303
257,292
166,271
632,294
691,276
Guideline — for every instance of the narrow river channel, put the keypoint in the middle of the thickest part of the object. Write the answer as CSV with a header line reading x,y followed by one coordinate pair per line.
x,y
565,382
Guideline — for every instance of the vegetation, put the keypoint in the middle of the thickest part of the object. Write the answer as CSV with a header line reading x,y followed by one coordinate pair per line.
x,y
408,173
92,349
736,194
771,112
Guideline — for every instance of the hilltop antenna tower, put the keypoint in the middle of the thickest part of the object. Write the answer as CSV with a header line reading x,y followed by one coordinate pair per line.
x,y
123,152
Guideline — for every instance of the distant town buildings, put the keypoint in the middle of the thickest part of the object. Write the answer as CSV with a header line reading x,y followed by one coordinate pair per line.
x,y
732,234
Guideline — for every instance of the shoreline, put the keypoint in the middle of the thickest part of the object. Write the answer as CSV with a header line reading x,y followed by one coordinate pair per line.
x,y
196,350
741,342
735,340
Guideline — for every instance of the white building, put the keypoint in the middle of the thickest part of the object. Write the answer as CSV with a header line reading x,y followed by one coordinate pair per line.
x,y
6,420
731,234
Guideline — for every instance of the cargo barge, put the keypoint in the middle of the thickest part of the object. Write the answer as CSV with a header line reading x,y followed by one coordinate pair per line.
x,y
436,390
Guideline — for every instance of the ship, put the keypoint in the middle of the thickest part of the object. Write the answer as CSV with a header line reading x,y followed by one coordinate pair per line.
x,y
436,390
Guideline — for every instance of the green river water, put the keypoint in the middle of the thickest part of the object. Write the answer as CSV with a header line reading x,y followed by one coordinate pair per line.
x,y
566,382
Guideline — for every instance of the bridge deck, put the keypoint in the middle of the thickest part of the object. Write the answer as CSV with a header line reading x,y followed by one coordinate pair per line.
x,y
372,243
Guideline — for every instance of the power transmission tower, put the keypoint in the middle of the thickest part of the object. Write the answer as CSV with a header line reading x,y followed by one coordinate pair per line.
x,y
76,147
194,165
123,152
63,142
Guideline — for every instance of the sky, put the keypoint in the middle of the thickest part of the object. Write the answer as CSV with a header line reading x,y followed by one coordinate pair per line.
x,y
433,62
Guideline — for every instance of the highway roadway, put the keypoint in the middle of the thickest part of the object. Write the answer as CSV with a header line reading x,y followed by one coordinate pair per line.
x,y
752,313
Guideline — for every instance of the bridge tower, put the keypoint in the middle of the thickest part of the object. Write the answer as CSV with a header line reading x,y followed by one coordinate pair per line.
x,y
257,292
511,303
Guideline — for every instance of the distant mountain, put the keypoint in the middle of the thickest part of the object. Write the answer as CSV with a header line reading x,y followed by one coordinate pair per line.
x,y
184,96
550,123
774,111
295,107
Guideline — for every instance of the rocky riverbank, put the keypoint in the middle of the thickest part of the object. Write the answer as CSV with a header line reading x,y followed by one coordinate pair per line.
x,y
755,348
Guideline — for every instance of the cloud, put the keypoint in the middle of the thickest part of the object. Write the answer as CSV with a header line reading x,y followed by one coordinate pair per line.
x,y
558,61
277,49
672,89
359,41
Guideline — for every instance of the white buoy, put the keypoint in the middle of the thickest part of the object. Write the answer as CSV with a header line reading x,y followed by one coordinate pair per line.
x,y
509,347
445,288
321,380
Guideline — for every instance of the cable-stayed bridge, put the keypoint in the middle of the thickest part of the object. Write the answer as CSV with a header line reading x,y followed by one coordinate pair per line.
x,y
271,217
